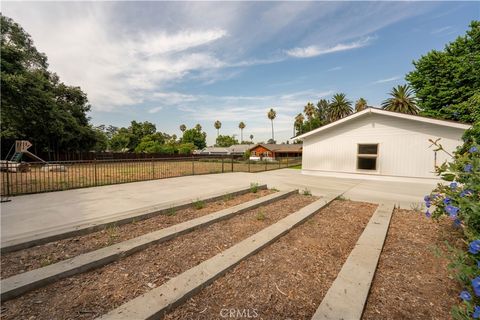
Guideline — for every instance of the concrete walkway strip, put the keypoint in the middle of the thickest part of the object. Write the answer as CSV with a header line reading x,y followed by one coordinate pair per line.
x,y
153,304
17,285
95,224
348,294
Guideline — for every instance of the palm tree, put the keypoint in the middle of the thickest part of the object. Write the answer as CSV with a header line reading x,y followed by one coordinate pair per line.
x,y
242,126
251,137
322,109
309,111
299,122
217,126
183,128
198,127
402,100
339,107
360,105
272,115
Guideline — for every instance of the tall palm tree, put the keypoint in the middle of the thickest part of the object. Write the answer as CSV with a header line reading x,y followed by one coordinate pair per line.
x,y
402,100
309,111
242,126
272,115
198,127
360,105
339,107
183,128
322,109
299,122
217,126
251,137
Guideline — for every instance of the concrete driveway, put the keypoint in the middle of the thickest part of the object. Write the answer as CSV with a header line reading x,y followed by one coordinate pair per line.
x,y
33,214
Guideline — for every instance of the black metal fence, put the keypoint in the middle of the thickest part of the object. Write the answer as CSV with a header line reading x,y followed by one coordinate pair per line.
x,y
25,178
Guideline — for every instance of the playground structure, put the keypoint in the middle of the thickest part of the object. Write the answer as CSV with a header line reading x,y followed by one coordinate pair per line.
x,y
15,164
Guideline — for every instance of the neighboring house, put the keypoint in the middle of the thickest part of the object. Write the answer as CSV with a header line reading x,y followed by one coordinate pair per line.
x,y
379,144
274,151
237,149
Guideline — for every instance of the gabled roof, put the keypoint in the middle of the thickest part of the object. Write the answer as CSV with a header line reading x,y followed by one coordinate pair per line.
x,y
370,110
280,147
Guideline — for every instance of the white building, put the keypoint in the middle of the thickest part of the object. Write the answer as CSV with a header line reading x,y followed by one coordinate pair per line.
x,y
379,144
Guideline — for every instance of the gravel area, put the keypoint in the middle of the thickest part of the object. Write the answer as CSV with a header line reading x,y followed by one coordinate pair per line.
x,y
88,295
40,256
288,279
411,281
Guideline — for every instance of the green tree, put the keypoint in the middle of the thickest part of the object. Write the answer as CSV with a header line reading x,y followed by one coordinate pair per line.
x,y
242,126
36,105
272,115
360,105
198,127
339,107
225,141
196,137
217,126
310,112
402,100
444,80
322,110
299,123
251,137
183,128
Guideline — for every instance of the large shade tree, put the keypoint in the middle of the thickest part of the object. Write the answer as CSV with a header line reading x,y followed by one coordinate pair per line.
x,y
402,99
446,81
339,107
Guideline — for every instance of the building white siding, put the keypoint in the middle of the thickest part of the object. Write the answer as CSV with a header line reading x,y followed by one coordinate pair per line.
x,y
403,147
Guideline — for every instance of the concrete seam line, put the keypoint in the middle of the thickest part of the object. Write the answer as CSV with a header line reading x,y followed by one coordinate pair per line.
x,y
17,285
347,296
153,304
128,216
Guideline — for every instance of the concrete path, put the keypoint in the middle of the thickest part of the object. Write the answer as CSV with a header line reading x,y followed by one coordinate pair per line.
x,y
348,294
32,214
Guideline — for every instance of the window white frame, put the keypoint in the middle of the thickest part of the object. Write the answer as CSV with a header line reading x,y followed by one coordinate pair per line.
x,y
368,155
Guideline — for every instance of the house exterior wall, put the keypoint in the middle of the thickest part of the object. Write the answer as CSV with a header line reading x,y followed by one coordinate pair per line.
x,y
261,151
403,147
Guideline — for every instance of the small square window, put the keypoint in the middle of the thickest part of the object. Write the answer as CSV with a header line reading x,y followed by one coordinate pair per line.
x,y
367,156
367,163
367,148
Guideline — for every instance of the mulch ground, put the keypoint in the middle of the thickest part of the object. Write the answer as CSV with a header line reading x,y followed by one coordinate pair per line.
x,y
411,281
288,279
32,258
88,295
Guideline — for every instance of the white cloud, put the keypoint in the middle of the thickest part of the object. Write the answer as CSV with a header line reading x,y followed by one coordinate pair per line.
x,y
314,50
335,68
155,110
387,80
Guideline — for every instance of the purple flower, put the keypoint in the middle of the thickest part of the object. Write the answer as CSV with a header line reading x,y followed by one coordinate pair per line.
x,y
473,149
478,263
428,214
427,198
468,168
465,193
453,185
428,204
465,295
476,286
452,211
457,222
474,247
447,200
476,312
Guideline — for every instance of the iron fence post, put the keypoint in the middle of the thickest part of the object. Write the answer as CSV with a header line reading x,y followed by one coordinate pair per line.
x,y
95,171
232,163
8,180
153,169
265,165
193,166
223,170
248,165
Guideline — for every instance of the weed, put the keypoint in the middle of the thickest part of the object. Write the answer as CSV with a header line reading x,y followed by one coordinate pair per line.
x,y
171,212
46,262
274,189
417,206
112,232
306,192
260,216
227,197
199,204
254,187
341,198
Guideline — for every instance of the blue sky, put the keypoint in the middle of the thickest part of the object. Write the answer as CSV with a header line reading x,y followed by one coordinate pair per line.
x,y
197,62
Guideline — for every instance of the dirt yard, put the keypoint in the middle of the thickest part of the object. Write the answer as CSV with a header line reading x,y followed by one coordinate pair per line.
x,y
40,256
411,281
288,279
88,295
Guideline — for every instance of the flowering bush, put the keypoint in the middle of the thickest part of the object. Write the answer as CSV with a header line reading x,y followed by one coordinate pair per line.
x,y
459,199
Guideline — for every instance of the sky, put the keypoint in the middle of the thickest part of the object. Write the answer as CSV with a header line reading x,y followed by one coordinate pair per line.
x,y
174,63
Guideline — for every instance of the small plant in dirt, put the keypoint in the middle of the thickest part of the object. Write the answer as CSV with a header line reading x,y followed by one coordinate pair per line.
x,y
171,212
112,233
306,192
274,189
253,187
260,216
46,261
227,197
341,198
199,204
459,199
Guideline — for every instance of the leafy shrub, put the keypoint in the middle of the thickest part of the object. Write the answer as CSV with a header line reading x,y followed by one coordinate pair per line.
x,y
253,187
186,148
199,204
460,200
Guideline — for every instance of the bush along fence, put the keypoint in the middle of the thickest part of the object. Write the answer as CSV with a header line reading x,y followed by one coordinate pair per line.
x,y
459,199
24,178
